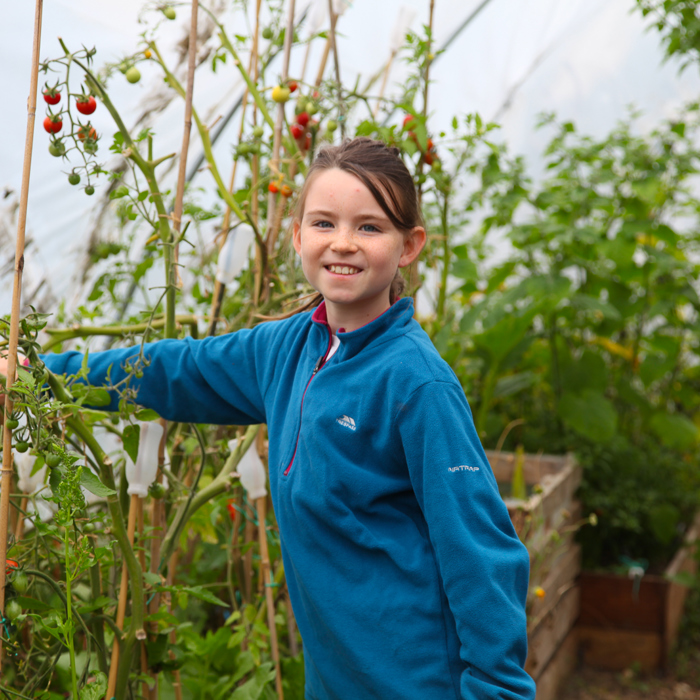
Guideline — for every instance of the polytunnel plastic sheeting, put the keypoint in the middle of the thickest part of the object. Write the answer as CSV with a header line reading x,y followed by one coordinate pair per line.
x,y
586,60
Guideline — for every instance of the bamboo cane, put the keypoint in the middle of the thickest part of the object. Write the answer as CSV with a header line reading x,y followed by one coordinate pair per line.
x,y
273,225
158,525
219,288
182,170
16,299
324,60
121,605
336,64
260,504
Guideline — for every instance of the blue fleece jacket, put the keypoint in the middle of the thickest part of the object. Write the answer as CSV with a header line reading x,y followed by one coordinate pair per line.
x,y
406,576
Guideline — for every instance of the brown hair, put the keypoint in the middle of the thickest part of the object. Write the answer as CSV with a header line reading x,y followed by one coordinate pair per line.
x,y
380,168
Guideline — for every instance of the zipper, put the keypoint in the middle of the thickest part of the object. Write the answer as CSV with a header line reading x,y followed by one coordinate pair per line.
x,y
317,367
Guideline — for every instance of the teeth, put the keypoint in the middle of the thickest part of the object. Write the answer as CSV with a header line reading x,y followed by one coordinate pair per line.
x,y
344,270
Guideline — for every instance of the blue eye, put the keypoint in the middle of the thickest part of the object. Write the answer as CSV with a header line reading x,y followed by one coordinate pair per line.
x,y
370,228
323,224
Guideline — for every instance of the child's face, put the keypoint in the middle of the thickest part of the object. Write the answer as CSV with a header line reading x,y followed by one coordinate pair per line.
x,y
349,248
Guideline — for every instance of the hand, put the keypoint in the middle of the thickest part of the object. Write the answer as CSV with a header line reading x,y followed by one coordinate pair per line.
x,y
3,373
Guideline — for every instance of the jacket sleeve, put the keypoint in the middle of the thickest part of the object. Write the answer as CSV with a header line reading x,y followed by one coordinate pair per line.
x,y
483,565
215,380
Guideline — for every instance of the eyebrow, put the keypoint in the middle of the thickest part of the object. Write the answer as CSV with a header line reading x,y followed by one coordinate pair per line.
x,y
363,217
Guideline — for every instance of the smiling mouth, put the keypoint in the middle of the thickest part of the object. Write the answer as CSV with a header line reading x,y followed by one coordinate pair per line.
x,y
343,269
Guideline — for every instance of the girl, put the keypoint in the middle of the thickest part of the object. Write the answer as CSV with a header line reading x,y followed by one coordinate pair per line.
x,y
407,579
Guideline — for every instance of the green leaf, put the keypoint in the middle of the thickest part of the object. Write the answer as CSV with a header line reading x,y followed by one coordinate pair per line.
x,y
96,689
663,521
675,430
130,437
253,688
32,604
205,595
146,415
91,482
590,414
512,384
584,302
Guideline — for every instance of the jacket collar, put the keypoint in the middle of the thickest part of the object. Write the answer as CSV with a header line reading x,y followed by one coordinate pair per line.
x,y
391,324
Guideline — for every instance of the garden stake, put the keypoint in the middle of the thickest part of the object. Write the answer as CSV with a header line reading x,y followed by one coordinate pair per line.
x,y
158,525
182,169
121,606
260,504
16,298
277,142
253,479
336,64
219,289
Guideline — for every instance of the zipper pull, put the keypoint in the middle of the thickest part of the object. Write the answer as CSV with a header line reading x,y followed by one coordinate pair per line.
x,y
319,364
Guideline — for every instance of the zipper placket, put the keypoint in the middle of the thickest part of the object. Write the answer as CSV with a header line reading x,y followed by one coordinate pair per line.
x,y
317,367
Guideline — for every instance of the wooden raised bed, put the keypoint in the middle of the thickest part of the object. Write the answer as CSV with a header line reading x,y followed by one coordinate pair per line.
x,y
617,629
546,524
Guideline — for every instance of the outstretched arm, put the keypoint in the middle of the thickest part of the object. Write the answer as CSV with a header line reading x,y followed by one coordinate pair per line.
x,y
483,565
216,380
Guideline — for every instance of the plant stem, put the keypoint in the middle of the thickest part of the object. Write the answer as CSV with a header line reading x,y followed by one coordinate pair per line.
x,y
218,486
61,335
446,254
69,615
16,299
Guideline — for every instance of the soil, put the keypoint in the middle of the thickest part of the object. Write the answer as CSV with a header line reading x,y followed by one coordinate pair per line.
x,y
682,683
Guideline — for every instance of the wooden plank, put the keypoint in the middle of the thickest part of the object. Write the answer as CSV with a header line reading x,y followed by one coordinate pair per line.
x,y
561,573
614,650
607,602
550,632
558,670
684,562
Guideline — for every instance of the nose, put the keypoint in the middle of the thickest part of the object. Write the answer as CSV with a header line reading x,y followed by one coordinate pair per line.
x,y
344,240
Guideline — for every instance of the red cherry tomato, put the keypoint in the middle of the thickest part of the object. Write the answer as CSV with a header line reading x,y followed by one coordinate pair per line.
x,y
231,508
307,143
429,158
303,118
52,126
430,144
87,132
272,187
408,121
297,131
11,565
292,85
286,191
86,105
51,96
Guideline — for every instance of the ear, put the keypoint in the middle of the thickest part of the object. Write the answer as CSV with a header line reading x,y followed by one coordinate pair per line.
x,y
296,237
413,243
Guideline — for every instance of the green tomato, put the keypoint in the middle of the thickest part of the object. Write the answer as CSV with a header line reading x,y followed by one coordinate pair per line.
x,y
89,527
156,490
13,610
311,107
74,179
22,446
258,132
57,149
12,424
20,582
331,125
133,75
267,33
89,190
170,13
52,460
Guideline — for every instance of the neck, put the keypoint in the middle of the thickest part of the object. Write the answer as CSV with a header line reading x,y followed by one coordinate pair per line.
x,y
350,318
